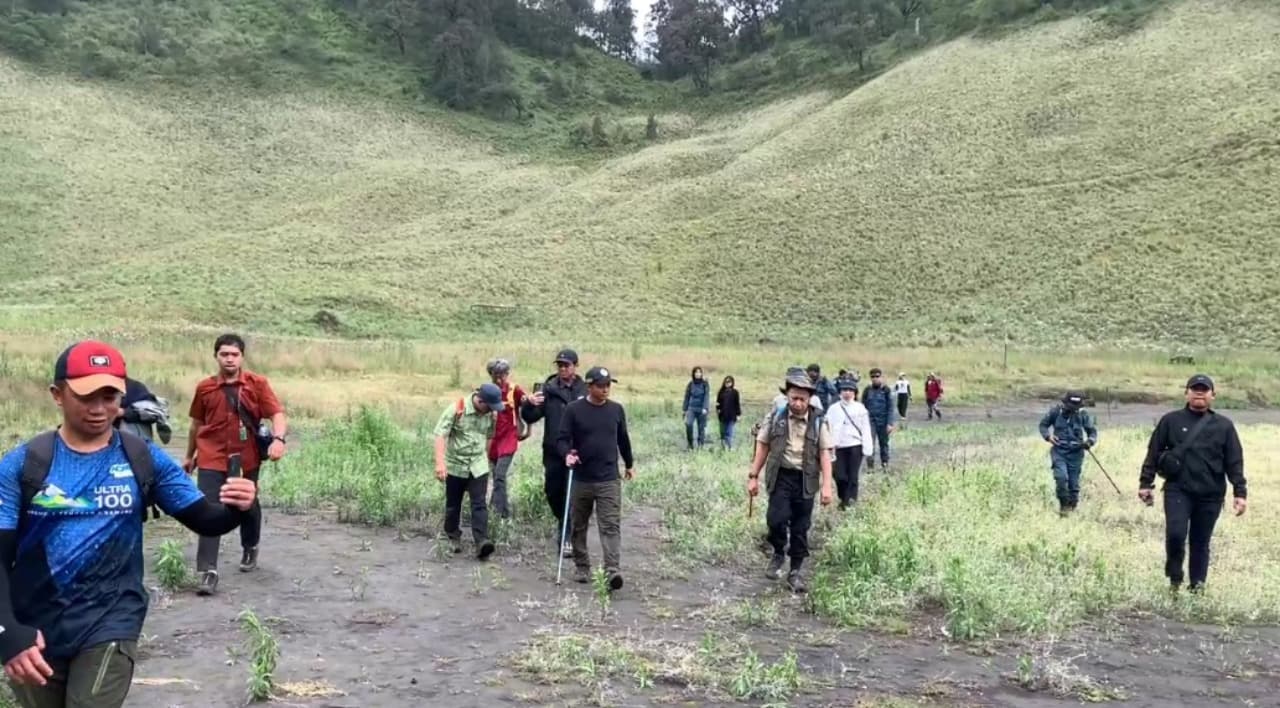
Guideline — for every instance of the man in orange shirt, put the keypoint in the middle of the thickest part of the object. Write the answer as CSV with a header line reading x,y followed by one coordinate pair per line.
x,y
225,414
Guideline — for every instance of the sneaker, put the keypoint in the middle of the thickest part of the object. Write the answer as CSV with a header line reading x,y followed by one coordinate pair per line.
x,y
1196,588
567,550
486,550
615,581
582,575
796,583
455,544
249,560
208,583
775,567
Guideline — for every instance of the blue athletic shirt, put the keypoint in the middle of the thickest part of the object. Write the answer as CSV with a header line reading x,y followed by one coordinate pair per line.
x,y
79,569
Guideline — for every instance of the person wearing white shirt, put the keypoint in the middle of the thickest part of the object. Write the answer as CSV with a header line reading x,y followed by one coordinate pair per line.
x,y
851,433
902,387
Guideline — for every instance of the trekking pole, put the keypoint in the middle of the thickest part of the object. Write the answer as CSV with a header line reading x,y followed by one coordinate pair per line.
x,y
1104,471
564,528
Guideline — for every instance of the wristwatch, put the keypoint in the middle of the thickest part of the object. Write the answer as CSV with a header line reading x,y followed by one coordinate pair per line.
x,y
281,439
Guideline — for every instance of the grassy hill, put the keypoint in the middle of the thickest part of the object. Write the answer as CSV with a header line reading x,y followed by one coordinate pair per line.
x,y
1064,183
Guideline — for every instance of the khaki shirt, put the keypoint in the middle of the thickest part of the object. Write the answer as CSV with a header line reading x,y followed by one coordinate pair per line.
x,y
793,457
468,433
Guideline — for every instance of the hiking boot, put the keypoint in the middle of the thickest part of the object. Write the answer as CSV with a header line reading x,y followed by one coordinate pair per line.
x,y
486,550
582,575
615,581
775,567
208,583
796,583
1196,588
455,545
249,560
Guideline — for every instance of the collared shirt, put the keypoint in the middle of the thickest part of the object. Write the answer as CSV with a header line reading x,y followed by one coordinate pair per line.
x,y
793,456
220,432
468,432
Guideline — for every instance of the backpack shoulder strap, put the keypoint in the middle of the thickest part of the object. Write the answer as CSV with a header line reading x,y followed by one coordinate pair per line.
x,y
36,464
138,453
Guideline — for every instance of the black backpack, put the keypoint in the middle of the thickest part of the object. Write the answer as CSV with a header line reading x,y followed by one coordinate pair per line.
x,y
35,468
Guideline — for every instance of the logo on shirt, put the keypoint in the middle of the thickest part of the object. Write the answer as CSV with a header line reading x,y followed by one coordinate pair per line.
x,y
121,471
51,498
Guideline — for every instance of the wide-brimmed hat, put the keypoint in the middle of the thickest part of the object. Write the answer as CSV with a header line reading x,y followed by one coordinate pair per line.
x,y
798,380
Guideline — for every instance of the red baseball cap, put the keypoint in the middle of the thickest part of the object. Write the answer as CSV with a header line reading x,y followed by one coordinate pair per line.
x,y
90,366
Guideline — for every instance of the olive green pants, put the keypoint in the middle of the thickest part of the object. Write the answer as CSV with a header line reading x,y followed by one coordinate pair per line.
x,y
99,677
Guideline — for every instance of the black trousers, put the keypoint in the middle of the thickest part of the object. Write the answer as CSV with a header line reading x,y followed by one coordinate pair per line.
x,y
556,486
848,464
210,483
903,399
1186,515
478,489
790,514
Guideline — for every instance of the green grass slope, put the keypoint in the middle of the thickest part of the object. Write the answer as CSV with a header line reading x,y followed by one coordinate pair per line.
x,y
1064,183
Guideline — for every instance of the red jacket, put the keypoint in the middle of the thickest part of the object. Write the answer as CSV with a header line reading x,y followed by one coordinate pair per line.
x,y
933,389
505,439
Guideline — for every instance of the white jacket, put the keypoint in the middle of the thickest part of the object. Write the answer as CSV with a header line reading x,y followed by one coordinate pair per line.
x,y
902,386
850,426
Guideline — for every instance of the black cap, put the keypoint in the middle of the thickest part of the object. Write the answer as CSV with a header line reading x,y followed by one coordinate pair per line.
x,y
599,375
1200,380
567,356
846,385
1073,398
814,369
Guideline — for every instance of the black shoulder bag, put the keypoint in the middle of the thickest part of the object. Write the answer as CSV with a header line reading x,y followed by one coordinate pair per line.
x,y
263,438
1170,464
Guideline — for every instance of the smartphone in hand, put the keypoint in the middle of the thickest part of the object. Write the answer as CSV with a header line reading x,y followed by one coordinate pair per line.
x,y
233,466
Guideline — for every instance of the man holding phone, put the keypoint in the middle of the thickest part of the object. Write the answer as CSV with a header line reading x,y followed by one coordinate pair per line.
x,y
548,404
225,414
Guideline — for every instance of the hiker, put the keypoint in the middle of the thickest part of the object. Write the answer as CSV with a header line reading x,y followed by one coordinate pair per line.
x,y
849,376
823,388
507,433
72,505
793,448
558,391
878,399
143,413
1069,429
593,432
851,434
225,414
463,434
933,394
1196,450
902,388
728,410
697,401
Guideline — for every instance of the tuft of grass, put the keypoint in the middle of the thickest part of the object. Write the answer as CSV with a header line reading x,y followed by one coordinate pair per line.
x,y
1039,670
772,683
171,566
264,655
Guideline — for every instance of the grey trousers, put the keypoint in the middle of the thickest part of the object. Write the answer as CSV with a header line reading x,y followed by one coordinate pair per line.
x,y
498,502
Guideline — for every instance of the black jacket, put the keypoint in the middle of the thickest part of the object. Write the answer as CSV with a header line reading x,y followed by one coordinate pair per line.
x,y
1213,457
558,396
728,405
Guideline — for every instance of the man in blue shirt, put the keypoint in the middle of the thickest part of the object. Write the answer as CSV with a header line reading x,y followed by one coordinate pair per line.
x,y
1069,430
72,601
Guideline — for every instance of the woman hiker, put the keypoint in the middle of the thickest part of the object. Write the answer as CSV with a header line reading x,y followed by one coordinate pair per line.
x,y
697,401
728,411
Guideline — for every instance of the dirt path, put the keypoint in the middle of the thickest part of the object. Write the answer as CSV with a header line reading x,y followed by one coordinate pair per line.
x,y
387,622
